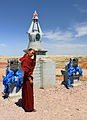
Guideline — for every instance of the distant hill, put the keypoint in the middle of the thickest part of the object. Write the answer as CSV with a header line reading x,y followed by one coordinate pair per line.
x,y
60,60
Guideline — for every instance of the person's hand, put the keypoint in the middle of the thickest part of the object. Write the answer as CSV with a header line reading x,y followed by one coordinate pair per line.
x,y
34,52
34,55
31,81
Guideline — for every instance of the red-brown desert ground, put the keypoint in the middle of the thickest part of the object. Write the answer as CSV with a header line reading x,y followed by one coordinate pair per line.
x,y
56,103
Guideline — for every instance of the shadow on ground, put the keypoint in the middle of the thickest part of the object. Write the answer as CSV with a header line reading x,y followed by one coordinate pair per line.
x,y
19,103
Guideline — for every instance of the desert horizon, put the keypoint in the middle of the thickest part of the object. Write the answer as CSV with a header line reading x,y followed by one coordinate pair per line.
x,y
60,61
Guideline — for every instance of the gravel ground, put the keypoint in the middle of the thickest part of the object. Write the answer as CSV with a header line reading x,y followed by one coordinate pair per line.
x,y
56,103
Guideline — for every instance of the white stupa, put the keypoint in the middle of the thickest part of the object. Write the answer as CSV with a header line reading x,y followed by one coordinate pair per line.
x,y
44,72
35,36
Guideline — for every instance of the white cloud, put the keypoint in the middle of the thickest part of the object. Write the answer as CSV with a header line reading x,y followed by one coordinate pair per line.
x,y
78,30
81,29
79,8
2,45
58,35
83,10
74,34
68,49
75,5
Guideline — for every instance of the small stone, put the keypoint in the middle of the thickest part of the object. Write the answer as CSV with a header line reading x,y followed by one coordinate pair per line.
x,y
77,109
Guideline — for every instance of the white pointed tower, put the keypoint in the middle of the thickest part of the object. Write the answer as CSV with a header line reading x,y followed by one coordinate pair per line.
x,y
35,35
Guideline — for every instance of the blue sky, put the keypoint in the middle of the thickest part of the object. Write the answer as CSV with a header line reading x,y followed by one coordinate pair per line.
x,y
63,22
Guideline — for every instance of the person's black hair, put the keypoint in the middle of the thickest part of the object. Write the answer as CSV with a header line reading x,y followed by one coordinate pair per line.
x,y
30,49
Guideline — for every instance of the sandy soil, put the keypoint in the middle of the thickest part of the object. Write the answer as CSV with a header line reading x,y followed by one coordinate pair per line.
x,y
56,103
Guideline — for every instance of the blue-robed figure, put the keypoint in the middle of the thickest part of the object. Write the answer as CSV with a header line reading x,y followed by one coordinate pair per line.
x,y
13,76
72,72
